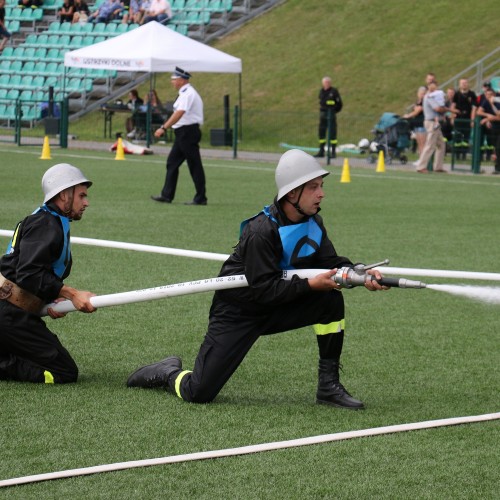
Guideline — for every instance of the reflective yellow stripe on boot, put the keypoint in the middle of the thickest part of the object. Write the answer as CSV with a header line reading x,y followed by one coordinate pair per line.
x,y
49,378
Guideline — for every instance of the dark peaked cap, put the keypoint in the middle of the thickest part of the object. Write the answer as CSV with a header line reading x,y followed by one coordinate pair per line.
x,y
180,73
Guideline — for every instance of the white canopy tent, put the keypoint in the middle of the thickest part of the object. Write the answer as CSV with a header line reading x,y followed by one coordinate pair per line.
x,y
153,48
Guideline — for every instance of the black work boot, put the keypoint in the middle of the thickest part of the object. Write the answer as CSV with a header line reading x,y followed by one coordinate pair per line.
x,y
321,152
155,375
330,390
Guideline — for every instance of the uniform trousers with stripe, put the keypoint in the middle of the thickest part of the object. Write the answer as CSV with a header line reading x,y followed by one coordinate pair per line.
x,y
29,351
232,331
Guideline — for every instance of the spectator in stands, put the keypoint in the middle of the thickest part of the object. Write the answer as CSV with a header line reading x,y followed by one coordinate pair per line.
x,y
134,14
464,103
489,111
416,119
81,11
65,13
4,34
159,10
134,103
29,4
108,11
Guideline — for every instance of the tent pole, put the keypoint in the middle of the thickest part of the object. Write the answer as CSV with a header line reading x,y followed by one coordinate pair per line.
x,y
241,107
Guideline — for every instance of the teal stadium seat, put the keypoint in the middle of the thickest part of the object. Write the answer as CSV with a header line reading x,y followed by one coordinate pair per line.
x,y
38,82
54,26
4,67
4,81
40,53
3,111
15,81
13,27
3,93
25,82
65,28
28,68
76,42
30,54
13,94
40,67
7,53
495,83
15,67
26,95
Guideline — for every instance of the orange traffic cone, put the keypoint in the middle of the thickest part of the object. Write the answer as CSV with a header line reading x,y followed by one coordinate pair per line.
x,y
346,174
120,154
46,149
380,162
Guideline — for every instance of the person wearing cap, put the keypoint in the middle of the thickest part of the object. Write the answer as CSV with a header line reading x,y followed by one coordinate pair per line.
x,y
185,122
286,235
32,274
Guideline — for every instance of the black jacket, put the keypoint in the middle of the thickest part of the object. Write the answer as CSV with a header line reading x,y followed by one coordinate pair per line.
x,y
258,254
39,244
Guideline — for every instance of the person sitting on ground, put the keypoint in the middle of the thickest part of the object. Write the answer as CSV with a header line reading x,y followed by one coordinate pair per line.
x,y
159,10
106,12
81,11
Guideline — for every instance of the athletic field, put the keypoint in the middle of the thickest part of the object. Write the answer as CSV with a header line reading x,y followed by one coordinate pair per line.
x,y
410,355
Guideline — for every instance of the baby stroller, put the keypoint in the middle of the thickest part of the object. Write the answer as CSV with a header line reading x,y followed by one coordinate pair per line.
x,y
392,136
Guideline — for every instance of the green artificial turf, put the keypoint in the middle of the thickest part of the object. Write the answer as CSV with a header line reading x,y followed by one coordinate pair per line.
x,y
410,355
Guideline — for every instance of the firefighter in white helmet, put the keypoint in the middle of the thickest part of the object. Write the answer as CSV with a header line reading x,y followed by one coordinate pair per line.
x,y
32,274
288,234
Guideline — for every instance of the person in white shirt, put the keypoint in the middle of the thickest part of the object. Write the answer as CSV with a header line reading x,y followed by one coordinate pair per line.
x,y
434,112
158,10
185,122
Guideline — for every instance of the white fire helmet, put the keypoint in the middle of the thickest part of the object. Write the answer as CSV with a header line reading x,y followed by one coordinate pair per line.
x,y
60,177
294,169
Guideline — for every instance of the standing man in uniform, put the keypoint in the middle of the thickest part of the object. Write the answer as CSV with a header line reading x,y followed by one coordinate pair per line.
x,y
185,121
330,103
288,234
37,261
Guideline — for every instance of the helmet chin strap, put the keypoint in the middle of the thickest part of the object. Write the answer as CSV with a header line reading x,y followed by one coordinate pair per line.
x,y
296,204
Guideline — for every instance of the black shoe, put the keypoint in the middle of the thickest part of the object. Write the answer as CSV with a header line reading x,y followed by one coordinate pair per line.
x,y
155,375
339,397
161,199
195,202
319,155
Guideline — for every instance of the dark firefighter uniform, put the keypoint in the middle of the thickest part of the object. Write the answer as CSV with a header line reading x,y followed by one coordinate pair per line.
x,y
269,243
38,259
330,102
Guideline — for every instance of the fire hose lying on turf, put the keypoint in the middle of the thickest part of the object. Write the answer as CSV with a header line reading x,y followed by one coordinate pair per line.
x,y
346,277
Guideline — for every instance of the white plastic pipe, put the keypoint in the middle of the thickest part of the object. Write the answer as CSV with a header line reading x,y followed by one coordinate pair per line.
x,y
436,273
174,290
246,450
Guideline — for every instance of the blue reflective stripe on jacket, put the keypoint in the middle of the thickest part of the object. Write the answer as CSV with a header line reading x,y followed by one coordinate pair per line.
x,y
60,265
298,240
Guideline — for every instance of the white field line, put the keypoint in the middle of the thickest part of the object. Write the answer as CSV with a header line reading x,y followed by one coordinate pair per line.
x,y
436,273
246,450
